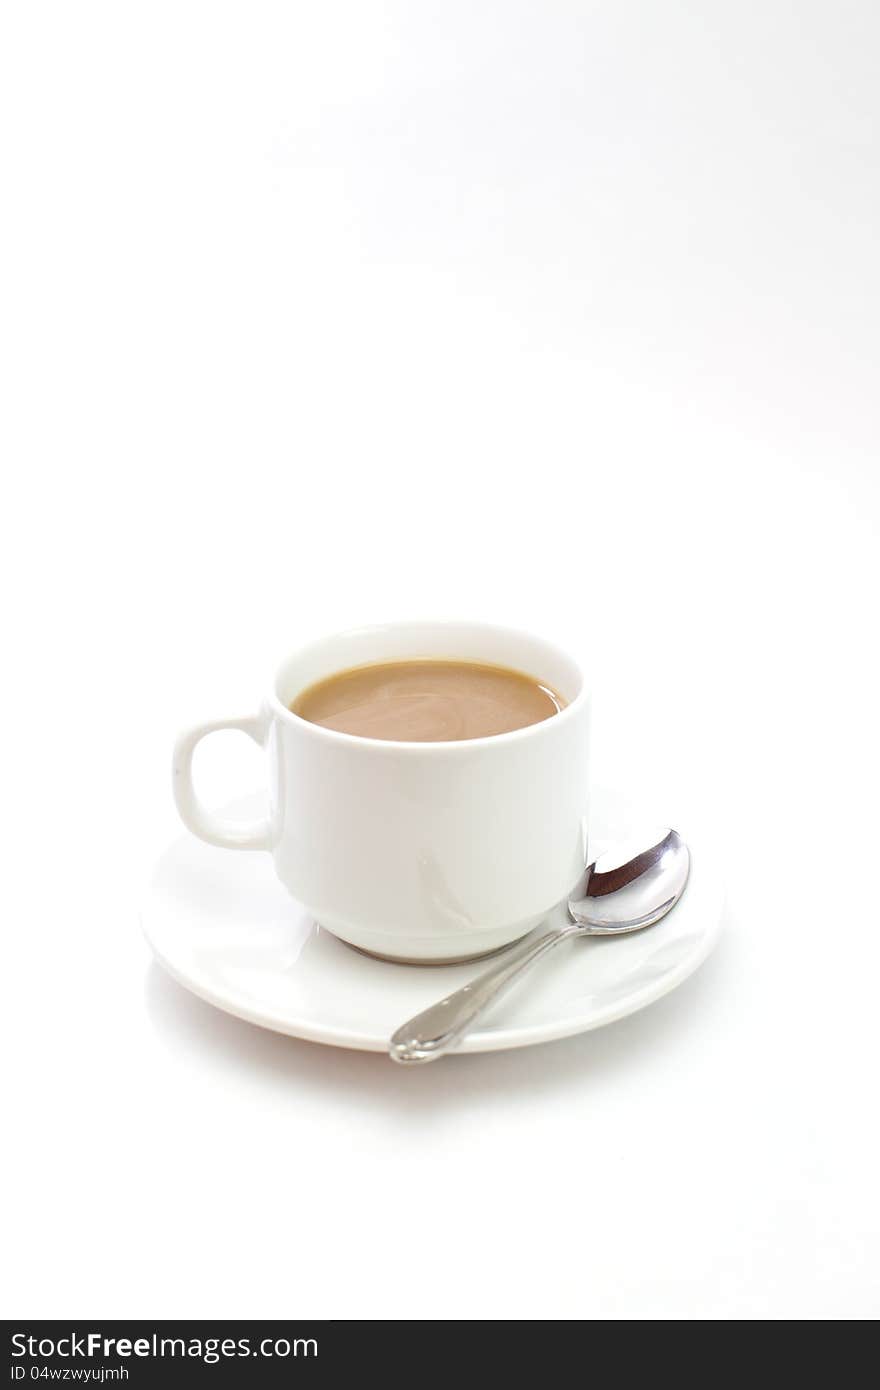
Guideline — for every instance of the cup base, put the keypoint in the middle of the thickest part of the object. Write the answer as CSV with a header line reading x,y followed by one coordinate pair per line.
x,y
412,949
421,960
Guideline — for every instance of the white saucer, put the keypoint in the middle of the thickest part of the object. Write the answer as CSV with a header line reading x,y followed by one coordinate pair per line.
x,y
222,925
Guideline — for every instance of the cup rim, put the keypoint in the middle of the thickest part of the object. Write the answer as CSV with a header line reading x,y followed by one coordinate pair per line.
x,y
439,748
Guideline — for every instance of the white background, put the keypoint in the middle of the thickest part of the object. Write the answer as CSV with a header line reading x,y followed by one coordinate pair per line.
x,y
558,314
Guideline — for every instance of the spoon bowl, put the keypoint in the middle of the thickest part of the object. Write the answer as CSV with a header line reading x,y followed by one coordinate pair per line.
x,y
620,894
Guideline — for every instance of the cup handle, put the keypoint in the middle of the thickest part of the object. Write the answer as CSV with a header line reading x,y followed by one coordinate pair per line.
x,y
208,827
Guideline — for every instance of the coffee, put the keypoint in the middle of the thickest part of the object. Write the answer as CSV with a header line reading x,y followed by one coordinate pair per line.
x,y
428,701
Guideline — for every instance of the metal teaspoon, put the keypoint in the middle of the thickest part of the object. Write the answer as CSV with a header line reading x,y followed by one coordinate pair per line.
x,y
607,901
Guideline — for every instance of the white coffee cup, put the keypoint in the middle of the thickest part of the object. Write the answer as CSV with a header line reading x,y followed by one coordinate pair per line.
x,y
415,851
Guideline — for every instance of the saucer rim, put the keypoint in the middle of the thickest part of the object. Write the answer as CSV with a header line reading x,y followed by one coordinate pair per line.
x,y
704,873
481,1040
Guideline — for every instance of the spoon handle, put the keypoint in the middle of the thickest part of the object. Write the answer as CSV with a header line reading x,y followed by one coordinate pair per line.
x,y
441,1027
